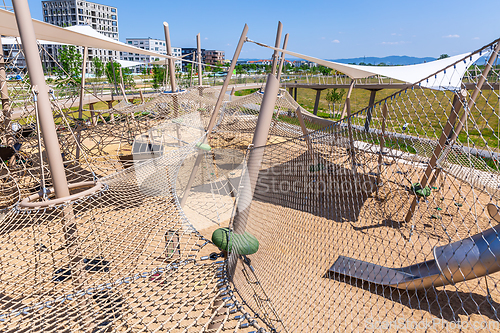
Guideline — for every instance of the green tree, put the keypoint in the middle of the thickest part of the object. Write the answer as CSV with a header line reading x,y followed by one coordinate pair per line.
x,y
158,76
334,96
97,67
109,72
70,61
443,56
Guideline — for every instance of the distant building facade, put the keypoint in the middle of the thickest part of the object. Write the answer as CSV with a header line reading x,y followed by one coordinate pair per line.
x,y
150,44
214,57
65,13
187,53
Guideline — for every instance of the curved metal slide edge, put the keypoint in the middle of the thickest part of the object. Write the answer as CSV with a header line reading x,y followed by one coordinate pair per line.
x,y
466,259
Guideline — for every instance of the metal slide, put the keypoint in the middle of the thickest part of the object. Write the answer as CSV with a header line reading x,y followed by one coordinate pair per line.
x,y
466,259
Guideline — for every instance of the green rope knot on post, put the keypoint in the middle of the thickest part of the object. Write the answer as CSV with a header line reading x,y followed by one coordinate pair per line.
x,y
204,146
245,244
421,191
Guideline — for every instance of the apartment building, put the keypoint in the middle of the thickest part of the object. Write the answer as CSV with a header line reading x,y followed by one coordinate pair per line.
x,y
214,57
150,44
64,13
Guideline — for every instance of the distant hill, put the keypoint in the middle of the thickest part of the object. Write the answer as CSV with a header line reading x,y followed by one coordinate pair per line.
x,y
390,60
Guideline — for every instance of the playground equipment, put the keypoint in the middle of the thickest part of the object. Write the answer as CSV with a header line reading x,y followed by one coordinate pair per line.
x,y
288,194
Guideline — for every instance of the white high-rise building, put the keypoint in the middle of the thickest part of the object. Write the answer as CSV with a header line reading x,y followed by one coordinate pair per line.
x,y
65,13
150,44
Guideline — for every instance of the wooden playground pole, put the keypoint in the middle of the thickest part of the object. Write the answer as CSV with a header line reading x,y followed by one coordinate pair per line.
x,y
351,86
277,45
215,114
192,69
382,143
48,129
82,83
4,96
80,106
352,152
475,93
200,74
49,134
256,154
450,135
171,64
282,59
304,131
447,131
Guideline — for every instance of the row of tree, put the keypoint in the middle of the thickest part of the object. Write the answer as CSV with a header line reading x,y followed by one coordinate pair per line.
x,y
69,71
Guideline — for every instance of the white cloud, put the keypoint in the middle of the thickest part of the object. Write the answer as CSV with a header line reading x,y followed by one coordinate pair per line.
x,y
451,36
335,41
475,38
206,38
394,43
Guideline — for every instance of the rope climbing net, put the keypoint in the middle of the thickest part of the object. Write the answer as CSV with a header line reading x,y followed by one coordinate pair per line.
x,y
385,216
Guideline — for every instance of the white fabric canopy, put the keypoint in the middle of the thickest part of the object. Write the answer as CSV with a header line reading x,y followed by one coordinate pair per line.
x,y
80,35
17,41
449,79
128,63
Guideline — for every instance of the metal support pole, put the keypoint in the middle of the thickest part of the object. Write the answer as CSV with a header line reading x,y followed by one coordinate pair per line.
x,y
48,129
213,118
256,154
368,119
447,131
351,86
382,143
276,45
171,64
282,59
295,94
316,102
200,74
4,96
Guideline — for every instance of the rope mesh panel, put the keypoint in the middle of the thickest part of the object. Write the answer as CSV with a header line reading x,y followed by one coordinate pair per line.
x,y
337,251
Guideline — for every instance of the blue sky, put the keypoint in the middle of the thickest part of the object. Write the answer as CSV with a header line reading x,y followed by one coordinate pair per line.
x,y
325,29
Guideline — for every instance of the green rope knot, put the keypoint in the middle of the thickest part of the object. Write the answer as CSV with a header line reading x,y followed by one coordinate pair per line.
x,y
245,244
421,191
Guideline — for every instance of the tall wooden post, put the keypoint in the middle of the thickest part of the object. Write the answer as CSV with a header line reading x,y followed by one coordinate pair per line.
x,y
200,74
352,151
369,111
450,134
48,129
215,113
256,155
171,64
277,45
382,143
282,59
351,86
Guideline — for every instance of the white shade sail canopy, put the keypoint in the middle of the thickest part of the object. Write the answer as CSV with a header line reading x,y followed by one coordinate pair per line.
x,y
128,63
80,35
449,79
